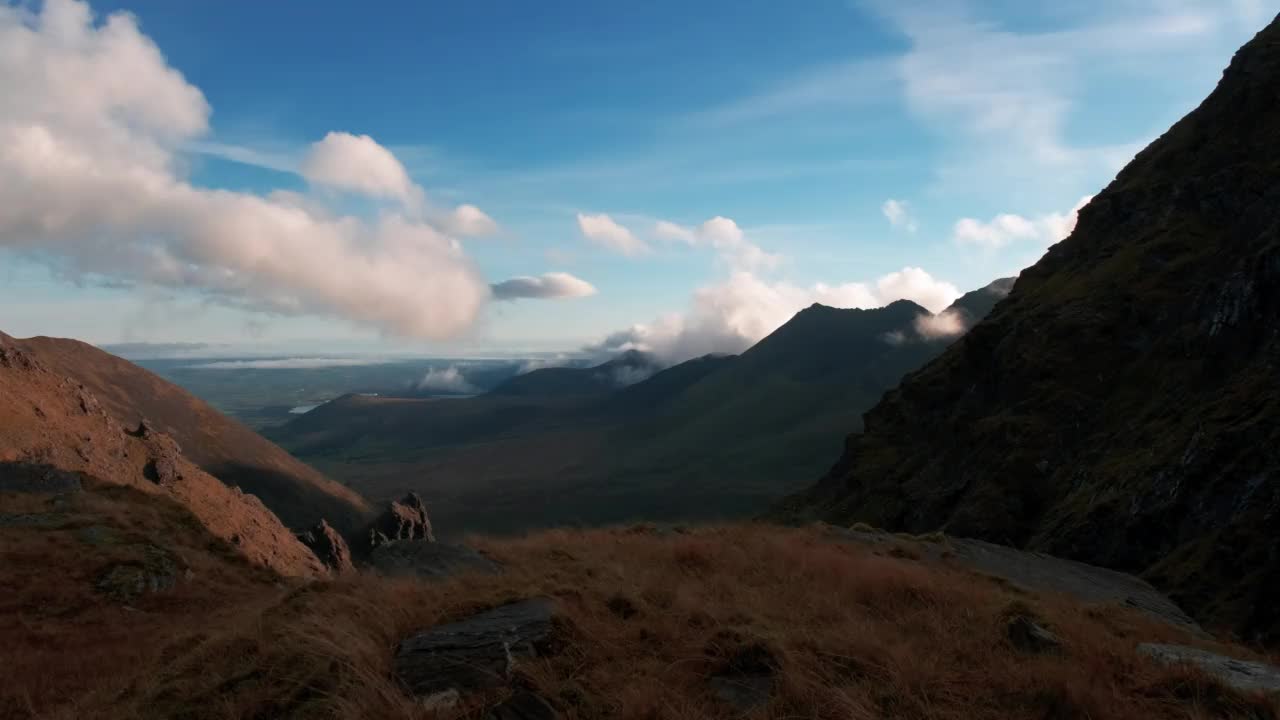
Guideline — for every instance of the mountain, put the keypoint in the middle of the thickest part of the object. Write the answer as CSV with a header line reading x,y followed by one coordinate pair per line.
x,y
713,437
56,434
220,445
627,368
1121,405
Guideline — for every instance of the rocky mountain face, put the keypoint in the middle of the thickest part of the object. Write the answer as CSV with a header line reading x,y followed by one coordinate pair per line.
x,y
1121,405
220,445
54,433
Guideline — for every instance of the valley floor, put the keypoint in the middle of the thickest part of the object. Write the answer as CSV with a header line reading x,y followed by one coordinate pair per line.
x,y
652,623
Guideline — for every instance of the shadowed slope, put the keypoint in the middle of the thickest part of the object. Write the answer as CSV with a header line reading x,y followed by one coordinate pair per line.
x,y
1121,405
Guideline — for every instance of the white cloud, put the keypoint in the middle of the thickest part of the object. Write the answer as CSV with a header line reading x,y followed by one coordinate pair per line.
x,y
1004,97
547,286
899,215
468,221
603,231
1007,228
447,380
357,163
918,286
90,184
731,316
946,324
723,235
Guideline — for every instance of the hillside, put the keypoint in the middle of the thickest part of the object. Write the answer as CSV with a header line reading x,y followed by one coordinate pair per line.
x,y
714,437
220,445
1120,406
54,433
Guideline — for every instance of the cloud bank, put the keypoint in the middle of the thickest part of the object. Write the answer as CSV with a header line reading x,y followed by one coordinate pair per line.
x,y
91,184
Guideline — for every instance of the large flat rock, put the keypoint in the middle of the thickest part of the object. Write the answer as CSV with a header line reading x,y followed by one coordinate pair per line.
x,y
1239,674
1041,573
478,652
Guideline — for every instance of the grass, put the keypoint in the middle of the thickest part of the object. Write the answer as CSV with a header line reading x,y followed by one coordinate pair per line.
x,y
648,617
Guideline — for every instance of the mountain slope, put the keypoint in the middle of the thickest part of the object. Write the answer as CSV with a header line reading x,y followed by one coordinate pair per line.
x,y
1120,407
714,437
223,447
54,431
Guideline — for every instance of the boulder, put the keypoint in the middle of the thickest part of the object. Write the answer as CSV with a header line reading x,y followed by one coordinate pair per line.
x,y
329,546
429,559
156,571
1030,637
523,705
478,652
746,675
1240,674
404,519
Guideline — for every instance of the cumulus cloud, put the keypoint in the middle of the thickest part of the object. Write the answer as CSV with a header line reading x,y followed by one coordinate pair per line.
x,y
723,235
946,324
605,232
899,215
733,315
357,163
91,184
1007,228
446,380
547,285
468,221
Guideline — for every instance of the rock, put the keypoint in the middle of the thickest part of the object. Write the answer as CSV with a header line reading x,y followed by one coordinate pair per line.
x,y
1028,636
36,478
745,692
446,700
745,678
523,705
429,559
329,546
404,519
162,456
478,652
126,582
1239,674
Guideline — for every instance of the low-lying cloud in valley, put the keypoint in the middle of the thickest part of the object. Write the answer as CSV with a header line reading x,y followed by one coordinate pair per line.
x,y
446,380
92,184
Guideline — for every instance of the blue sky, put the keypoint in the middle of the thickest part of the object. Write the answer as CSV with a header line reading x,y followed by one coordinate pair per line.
x,y
845,141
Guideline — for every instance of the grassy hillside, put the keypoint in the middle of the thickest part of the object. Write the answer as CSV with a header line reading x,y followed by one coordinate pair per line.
x,y
1120,406
647,621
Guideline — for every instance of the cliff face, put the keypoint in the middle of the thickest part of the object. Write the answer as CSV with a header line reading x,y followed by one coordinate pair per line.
x,y
1122,405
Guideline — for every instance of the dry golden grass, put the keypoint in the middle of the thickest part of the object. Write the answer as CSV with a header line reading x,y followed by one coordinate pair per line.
x,y
648,617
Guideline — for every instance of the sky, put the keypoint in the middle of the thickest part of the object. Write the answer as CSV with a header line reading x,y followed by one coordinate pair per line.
x,y
452,178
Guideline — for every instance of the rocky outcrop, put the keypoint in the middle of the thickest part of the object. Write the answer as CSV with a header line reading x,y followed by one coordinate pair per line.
x,y
1239,674
431,560
1119,406
404,519
479,652
329,546
1029,636
155,570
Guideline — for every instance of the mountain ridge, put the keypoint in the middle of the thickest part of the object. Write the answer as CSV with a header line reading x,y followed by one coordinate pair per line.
x,y
1116,408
